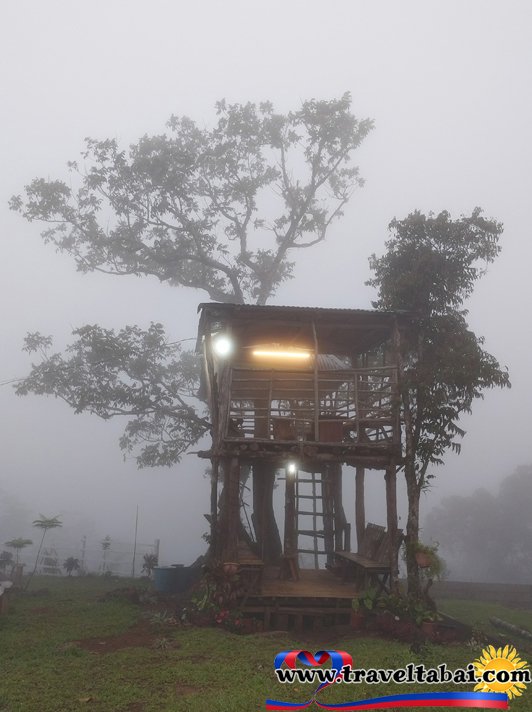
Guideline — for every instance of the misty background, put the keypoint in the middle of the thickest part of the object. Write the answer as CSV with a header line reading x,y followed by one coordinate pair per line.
x,y
448,85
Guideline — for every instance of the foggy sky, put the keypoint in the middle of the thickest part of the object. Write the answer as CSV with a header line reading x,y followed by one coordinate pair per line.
x,y
448,85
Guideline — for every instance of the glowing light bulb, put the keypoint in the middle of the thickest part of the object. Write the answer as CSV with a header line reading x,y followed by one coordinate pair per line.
x,y
223,346
291,469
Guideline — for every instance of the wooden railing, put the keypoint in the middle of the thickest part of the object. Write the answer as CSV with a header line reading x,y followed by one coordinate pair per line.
x,y
348,405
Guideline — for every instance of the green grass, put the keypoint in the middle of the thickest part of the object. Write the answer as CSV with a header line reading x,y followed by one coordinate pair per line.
x,y
478,613
211,670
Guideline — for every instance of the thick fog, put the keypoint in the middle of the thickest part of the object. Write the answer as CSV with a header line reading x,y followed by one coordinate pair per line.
x,y
448,85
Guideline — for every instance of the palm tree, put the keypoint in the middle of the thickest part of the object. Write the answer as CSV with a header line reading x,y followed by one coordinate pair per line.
x,y
71,564
44,523
18,544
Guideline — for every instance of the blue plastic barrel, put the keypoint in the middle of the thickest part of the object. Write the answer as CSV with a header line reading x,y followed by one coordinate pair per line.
x,y
164,579
174,579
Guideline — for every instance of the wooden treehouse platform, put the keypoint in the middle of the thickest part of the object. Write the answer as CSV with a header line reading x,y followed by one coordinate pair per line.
x,y
317,599
304,390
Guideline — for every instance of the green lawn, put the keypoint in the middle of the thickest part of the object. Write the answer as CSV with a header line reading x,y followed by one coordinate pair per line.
x,y
210,670
478,613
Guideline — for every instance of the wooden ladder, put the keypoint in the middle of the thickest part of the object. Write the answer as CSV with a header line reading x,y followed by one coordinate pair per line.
x,y
309,494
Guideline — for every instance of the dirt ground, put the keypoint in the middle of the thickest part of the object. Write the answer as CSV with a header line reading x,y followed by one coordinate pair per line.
x,y
141,635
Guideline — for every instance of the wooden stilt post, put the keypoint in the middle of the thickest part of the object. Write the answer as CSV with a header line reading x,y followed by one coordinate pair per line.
x,y
360,506
289,565
268,538
224,509
230,509
290,544
266,530
214,508
234,508
339,514
391,511
328,513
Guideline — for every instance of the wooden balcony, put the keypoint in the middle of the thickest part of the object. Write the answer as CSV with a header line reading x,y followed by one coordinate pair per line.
x,y
352,409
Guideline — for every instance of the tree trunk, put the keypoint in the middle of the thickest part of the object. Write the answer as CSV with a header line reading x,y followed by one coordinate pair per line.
x,y
36,561
391,517
266,529
214,540
413,493
230,510
412,533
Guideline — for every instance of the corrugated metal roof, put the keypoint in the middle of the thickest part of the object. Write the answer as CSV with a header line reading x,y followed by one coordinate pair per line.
x,y
228,305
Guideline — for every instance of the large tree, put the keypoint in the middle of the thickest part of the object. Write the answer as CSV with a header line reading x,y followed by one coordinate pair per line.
x,y
222,210
430,268
216,209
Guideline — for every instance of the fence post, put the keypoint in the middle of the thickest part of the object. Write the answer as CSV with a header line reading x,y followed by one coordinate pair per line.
x,y
83,545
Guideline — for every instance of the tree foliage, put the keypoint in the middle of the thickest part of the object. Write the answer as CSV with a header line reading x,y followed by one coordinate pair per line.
x,y
189,207
19,544
6,559
150,562
133,373
430,268
71,564
219,210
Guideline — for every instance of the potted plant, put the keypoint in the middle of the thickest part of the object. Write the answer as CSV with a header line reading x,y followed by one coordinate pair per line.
x,y
252,625
429,621
364,602
231,568
218,587
396,604
428,559
425,618
423,560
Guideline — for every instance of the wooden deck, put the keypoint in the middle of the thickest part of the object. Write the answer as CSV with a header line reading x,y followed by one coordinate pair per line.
x,y
313,583
318,599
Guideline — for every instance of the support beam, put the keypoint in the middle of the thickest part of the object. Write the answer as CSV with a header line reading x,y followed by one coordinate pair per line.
x,y
290,535
339,514
230,509
214,543
391,512
266,529
360,506
328,513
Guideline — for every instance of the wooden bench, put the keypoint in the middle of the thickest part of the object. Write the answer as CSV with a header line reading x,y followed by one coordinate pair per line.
x,y
370,566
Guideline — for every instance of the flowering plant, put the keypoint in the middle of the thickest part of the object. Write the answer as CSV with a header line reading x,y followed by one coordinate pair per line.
x,y
230,620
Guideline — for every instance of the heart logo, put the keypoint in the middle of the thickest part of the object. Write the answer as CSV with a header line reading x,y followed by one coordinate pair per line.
x,y
338,658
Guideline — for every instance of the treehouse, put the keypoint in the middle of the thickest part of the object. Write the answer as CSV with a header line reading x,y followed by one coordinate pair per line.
x,y
302,391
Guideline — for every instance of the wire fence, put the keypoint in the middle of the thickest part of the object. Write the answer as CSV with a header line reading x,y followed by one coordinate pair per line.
x,y
105,557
